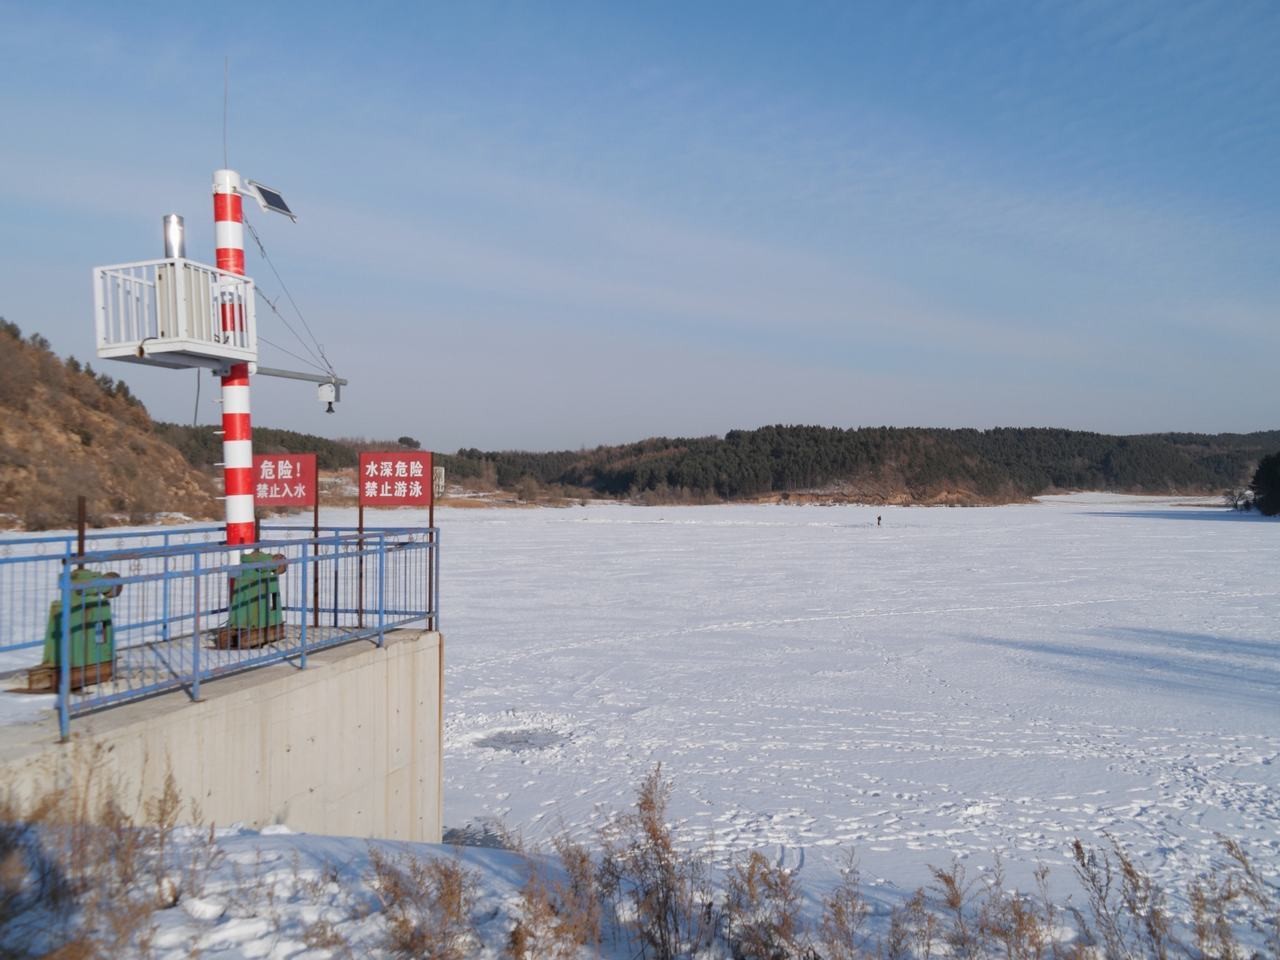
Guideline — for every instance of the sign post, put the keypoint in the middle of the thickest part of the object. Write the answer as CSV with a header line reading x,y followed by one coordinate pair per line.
x,y
315,567
437,491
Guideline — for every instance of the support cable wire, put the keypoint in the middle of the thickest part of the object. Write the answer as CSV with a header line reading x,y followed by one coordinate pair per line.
x,y
283,286
298,357
315,360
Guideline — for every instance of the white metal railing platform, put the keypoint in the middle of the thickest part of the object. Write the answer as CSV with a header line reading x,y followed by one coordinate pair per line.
x,y
174,313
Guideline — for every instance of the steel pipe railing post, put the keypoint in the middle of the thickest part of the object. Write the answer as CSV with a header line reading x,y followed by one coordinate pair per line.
x,y
382,588
435,597
195,632
306,549
164,602
336,548
64,654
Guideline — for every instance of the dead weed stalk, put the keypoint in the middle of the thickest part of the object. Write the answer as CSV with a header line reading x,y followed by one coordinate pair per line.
x,y
427,906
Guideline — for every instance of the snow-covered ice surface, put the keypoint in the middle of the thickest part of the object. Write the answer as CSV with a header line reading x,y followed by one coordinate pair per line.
x,y
952,683
949,684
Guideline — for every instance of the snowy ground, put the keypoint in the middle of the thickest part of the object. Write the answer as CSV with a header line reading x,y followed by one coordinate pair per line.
x,y
949,684
954,682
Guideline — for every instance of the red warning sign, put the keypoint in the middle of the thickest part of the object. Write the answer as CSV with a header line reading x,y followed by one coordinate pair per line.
x,y
284,479
399,479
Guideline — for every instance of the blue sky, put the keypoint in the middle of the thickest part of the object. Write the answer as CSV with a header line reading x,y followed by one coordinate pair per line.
x,y
555,225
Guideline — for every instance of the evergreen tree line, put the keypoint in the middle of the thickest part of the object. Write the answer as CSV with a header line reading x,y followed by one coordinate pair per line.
x,y
1001,464
998,464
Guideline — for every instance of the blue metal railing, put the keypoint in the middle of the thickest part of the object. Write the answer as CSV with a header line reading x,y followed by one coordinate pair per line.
x,y
30,567
170,621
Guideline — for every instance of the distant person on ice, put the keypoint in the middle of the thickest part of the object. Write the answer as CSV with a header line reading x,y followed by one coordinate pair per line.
x,y
877,521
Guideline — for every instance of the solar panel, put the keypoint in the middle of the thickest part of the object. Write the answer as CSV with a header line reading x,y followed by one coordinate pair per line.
x,y
271,199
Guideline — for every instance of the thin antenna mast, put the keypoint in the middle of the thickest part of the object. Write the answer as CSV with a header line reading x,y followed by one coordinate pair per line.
x,y
226,100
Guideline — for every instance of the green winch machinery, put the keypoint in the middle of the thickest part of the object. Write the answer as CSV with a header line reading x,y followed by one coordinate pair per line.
x,y
93,641
254,614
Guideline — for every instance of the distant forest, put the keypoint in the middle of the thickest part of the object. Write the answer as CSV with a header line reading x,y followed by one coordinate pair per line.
x,y
202,445
882,462
900,464
66,428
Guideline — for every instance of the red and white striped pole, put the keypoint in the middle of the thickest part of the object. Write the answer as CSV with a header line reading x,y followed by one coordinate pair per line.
x,y
237,433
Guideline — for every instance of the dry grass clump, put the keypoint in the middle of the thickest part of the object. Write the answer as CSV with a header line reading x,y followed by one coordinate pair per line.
x,y
1130,917
323,934
1127,907
81,878
1225,899
762,910
558,918
913,930
1125,915
655,892
841,931
538,928
975,919
426,904
1022,927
